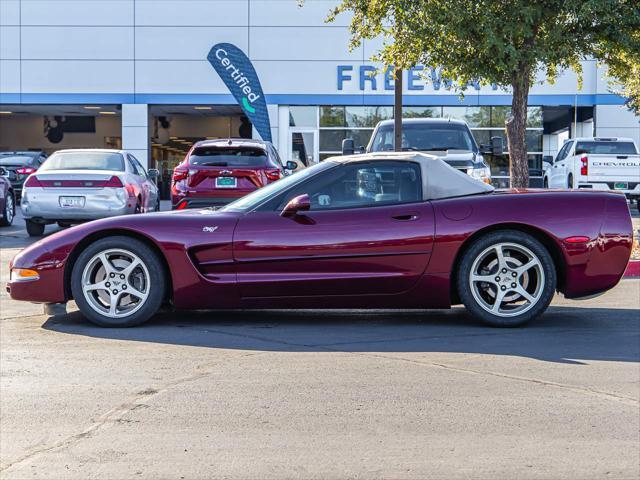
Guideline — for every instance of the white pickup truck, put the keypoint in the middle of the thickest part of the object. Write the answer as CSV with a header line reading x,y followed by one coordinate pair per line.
x,y
598,164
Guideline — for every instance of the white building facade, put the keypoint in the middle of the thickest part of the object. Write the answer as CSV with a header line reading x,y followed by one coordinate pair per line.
x,y
139,68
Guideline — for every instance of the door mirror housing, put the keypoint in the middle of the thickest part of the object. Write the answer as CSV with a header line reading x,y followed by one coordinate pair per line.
x,y
485,149
497,146
3,172
301,203
153,173
348,146
291,165
547,159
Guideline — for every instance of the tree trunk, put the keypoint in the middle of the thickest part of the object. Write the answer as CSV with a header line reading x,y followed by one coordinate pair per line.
x,y
516,130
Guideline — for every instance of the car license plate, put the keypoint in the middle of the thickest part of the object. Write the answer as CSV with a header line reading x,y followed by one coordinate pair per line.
x,y
71,202
226,182
621,186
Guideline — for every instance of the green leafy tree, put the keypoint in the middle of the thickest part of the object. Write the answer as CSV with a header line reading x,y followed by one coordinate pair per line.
x,y
625,69
501,42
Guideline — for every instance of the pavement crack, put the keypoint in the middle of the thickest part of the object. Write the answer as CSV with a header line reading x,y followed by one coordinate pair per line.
x,y
117,413
574,388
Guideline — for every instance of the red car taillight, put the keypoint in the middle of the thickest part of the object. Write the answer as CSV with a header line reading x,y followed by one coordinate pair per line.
x,y
113,182
180,175
272,174
32,181
182,205
584,169
26,170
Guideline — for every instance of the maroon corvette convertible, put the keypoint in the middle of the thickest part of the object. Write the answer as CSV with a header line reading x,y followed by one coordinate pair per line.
x,y
385,230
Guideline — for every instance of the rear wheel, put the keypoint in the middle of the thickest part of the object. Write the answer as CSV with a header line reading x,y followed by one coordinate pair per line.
x,y
34,229
506,278
118,282
9,210
570,182
64,225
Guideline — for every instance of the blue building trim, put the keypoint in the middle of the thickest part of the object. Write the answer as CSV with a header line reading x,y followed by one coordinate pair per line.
x,y
306,99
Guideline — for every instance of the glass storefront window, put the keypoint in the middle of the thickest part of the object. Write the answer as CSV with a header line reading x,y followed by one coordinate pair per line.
x,y
474,116
332,116
500,114
331,140
366,116
421,112
303,116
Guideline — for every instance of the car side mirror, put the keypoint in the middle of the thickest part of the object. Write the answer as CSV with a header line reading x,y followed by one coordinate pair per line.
x,y
348,146
486,149
547,159
3,172
497,147
301,203
153,173
291,165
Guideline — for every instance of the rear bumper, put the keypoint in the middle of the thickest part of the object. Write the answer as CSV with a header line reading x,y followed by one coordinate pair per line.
x,y
185,203
43,205
632,191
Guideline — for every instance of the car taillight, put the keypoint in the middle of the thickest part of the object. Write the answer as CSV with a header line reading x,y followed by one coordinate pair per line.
x,y
584,169
182,205
272,174
113,182
179,175
32,181
26,170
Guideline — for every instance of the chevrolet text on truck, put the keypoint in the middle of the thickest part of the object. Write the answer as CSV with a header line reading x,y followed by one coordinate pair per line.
x,y
450,140
597,164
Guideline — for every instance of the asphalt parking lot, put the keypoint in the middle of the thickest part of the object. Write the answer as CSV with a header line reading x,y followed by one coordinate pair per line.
x,y
299,394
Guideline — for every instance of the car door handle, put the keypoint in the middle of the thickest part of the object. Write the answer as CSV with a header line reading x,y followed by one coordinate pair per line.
x,y
407,217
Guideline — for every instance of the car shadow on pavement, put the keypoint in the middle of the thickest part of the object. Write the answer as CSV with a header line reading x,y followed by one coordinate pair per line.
x,y
563,334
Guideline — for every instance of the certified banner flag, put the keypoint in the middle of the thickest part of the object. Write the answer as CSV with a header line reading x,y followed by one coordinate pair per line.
x,y
238,74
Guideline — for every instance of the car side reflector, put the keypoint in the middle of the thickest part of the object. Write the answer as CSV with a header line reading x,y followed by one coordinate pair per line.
x,y
23,274
578,239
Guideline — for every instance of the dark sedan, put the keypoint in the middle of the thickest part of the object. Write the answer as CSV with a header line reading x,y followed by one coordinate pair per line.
x,y
387,230
7,200
19,165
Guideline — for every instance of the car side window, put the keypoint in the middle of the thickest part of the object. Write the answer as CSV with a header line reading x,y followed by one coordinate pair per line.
x,y
137,168
276,156
564,151
362,185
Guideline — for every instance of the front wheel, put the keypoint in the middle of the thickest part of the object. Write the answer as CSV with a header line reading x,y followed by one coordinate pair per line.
x,y
118,282
506,278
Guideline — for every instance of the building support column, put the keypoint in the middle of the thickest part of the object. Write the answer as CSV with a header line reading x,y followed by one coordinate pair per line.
x,y
135,131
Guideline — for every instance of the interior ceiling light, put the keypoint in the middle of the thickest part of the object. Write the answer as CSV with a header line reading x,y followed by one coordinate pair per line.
x,y
107,113
92,107
202,108
5,112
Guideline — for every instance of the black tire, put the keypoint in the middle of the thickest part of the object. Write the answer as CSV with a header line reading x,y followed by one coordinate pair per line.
x,y
158,204
64,225
638,204
475,251
546,182
138,207
570,182
34,229
156,281
9,210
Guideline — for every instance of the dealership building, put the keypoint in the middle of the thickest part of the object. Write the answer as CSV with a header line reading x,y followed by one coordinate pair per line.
x,y
134,74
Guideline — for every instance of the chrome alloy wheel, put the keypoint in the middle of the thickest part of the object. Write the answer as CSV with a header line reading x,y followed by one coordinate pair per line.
x,y
507,279
9,209
115,283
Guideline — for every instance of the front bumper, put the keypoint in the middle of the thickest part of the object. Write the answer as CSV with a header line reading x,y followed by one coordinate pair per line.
x,y
43,205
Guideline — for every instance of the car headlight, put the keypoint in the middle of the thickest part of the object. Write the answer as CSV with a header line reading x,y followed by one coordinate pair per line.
x,y
482,173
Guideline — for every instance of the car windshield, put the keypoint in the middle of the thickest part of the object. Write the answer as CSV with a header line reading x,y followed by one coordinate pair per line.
x,y
16,159
227,156
613,148
425,137
84,161
259,196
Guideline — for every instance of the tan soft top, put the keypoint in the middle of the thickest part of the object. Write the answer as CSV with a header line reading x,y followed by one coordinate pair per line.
x,y
439,179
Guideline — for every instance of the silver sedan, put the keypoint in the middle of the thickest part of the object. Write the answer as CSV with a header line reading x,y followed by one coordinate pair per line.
x,y
74,186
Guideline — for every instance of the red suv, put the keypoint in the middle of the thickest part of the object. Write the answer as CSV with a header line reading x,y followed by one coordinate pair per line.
x,y
216,172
